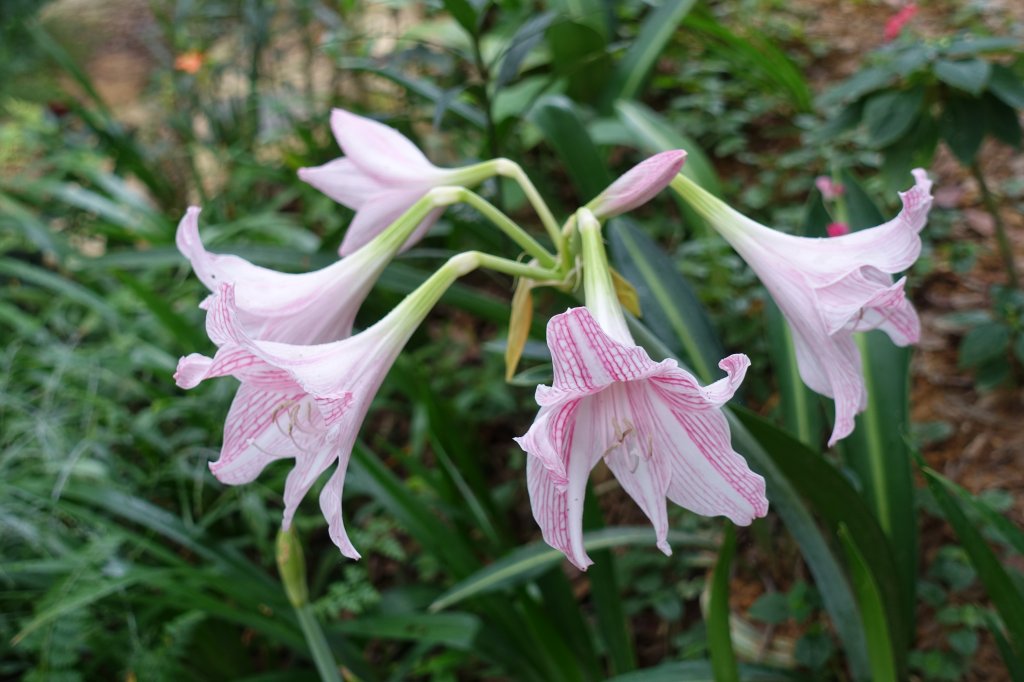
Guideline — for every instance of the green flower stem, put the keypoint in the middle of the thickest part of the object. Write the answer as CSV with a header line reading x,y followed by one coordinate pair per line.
x,y
1005,248
291,565
398,325
506,168
508,226
318,647
515,268
702,201
598,288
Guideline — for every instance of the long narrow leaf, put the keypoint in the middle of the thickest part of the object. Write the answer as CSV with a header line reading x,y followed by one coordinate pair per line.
x,y
655,34
529,561
565,130
872,605
723,658
1002,590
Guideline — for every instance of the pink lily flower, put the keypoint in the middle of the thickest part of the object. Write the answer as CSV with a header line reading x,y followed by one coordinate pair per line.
x,y
381,175
305,402
830,288
311,307
638,185
660,432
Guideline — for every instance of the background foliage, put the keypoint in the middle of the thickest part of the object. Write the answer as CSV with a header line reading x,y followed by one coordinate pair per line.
x,y
124,558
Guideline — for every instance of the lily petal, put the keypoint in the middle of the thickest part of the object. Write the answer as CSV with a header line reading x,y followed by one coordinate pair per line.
x,y
381,151
343,181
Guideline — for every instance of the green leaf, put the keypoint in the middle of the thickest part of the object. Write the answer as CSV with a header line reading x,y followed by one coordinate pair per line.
x,y
1004,593
832,496
464,13
756,55
969,75
771,608
890,114
962,126
578,54
457,630
914,150
858,85
188,335
528,562
84,596
671,308
1003,123
46,279
971,44
984,343
593,13
877,452
848,117
1005,84
872,605
657,30
420,87
1014,663
606,593
863,213
723,658
701,671
527,37
564,129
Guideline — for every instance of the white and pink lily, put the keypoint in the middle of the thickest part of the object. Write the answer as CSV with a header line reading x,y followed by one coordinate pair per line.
x,y
659,431
309,307
305,402
830,288
381,175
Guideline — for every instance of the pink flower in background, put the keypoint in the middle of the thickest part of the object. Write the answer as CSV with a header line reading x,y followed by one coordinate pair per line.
x,y
894,24
305,402
381,175
837,229
830,288
639,184
829,189
311,307
658,430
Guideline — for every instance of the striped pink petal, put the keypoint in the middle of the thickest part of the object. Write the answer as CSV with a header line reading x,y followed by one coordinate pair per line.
x,y
302,402
660,432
